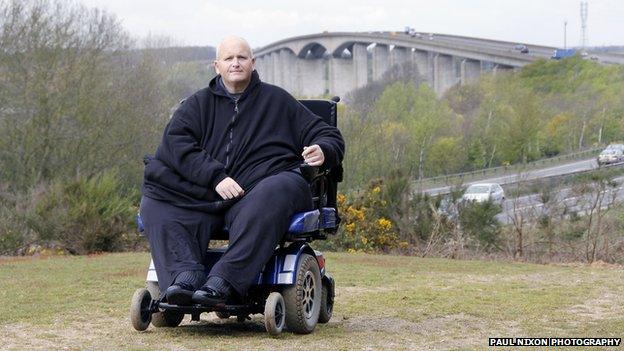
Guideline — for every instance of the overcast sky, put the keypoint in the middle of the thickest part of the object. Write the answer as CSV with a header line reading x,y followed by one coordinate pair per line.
x,y
205,22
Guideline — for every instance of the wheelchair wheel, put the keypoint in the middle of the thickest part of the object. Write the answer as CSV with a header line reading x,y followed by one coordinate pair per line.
x,y
274,317
303,299
164,319
140,315
223,315
327,305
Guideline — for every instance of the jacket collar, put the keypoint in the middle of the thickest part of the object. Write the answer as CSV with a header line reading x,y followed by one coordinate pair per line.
x,y
218,88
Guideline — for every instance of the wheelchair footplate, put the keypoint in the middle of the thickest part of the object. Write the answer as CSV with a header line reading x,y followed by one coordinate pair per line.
x,y
196,309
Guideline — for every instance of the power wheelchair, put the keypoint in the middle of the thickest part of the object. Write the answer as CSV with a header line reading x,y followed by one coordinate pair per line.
x,y
294,289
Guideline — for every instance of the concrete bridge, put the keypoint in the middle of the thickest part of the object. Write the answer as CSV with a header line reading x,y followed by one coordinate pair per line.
x,y
337,63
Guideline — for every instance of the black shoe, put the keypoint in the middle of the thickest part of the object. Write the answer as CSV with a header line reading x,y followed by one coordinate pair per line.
x,y
180,294
208,296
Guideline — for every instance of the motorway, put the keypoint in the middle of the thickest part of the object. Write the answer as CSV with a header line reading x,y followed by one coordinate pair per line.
x,y
564,169
505,46
564,201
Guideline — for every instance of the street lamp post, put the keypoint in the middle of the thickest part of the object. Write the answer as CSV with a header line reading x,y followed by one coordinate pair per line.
x,y
565,27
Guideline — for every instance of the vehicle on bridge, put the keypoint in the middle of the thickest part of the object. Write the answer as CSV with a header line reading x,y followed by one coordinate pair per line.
x,y
614,153
482,192
522,48
559,54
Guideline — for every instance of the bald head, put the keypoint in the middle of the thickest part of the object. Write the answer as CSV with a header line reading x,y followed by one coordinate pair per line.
x,y
233,41
235,63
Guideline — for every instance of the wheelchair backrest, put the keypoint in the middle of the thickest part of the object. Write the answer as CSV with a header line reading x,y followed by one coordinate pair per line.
x,y
327,110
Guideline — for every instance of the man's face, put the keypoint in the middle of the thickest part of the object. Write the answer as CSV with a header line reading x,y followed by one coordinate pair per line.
x,y
235,63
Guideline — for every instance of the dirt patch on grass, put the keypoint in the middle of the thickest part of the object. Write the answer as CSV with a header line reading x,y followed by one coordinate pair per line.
x,y
607,305
380,261
82,333
359,290
134,272
450,332
20,259
595,264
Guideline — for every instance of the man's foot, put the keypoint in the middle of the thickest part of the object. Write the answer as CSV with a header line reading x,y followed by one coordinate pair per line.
x,y
181,291
180,294
215,292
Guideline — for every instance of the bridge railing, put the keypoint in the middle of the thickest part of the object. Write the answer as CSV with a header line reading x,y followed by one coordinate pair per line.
x,y
464,177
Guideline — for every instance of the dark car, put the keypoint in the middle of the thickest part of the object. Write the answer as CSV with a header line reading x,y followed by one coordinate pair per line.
x,y
522,48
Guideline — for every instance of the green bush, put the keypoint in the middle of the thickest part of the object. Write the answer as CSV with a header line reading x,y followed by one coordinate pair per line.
x,y
478,221
86,214
14,232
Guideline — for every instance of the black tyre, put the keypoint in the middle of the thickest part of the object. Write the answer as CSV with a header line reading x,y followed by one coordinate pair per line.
x,y
164,319
327,305
223,315
274,316
241,318
303,299
140,315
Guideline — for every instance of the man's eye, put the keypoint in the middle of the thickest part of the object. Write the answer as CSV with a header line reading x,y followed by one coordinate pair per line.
x,y
228,59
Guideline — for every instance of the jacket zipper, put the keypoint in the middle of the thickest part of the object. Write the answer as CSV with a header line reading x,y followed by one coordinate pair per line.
x,y
232,121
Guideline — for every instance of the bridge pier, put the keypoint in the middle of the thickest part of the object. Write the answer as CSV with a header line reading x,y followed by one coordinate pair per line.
x,y
313,78
262,66
444,73
288,70
380,60
398,56
470,70
359,56
342,76
277,68
424,65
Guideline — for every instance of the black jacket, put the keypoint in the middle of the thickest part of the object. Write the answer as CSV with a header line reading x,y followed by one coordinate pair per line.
x,y
211,136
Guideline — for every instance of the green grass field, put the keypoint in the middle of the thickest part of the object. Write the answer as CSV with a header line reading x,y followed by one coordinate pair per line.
x,y
382,302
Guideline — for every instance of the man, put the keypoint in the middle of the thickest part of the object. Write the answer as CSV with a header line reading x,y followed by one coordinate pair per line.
x,y
229,157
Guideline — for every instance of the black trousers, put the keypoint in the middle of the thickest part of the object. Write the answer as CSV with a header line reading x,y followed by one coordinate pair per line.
x,y
179,237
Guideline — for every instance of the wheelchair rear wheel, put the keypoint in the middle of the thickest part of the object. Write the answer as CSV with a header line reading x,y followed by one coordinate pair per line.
x,y
327,305
303,299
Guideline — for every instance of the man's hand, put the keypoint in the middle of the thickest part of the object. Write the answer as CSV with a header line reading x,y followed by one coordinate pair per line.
x,y
313,155
228,188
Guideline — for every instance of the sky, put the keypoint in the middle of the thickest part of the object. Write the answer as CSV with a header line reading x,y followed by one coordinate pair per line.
x,y
206,22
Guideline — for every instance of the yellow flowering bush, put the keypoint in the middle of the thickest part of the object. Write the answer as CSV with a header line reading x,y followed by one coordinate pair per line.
x,y
365,224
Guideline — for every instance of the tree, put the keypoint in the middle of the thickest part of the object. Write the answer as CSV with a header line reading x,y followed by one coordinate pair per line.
x,y
74,102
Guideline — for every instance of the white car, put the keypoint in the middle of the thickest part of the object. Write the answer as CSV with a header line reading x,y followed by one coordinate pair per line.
x,y
612,154
481,192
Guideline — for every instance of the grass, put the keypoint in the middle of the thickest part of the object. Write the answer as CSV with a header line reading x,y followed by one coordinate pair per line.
x,y
383,302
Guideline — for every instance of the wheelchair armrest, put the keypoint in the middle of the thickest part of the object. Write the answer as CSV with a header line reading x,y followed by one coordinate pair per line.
x,y
310,173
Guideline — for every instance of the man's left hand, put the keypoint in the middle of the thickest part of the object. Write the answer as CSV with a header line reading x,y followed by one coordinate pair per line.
x,y
313,155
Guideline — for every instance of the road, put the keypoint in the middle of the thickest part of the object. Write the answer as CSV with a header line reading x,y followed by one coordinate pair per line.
x,y
564,200
534,50
564,169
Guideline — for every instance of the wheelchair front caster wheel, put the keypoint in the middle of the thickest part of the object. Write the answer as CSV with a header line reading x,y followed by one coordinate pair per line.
x,y
140,314
274,313
223,315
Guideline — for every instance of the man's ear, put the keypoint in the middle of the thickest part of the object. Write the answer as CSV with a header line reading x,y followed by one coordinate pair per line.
x,y
253,63
216,68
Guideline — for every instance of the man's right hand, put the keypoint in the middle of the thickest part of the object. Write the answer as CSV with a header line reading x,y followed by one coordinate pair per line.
x,y
229,189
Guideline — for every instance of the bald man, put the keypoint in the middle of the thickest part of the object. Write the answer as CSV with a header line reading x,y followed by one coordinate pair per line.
x,y
229,157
